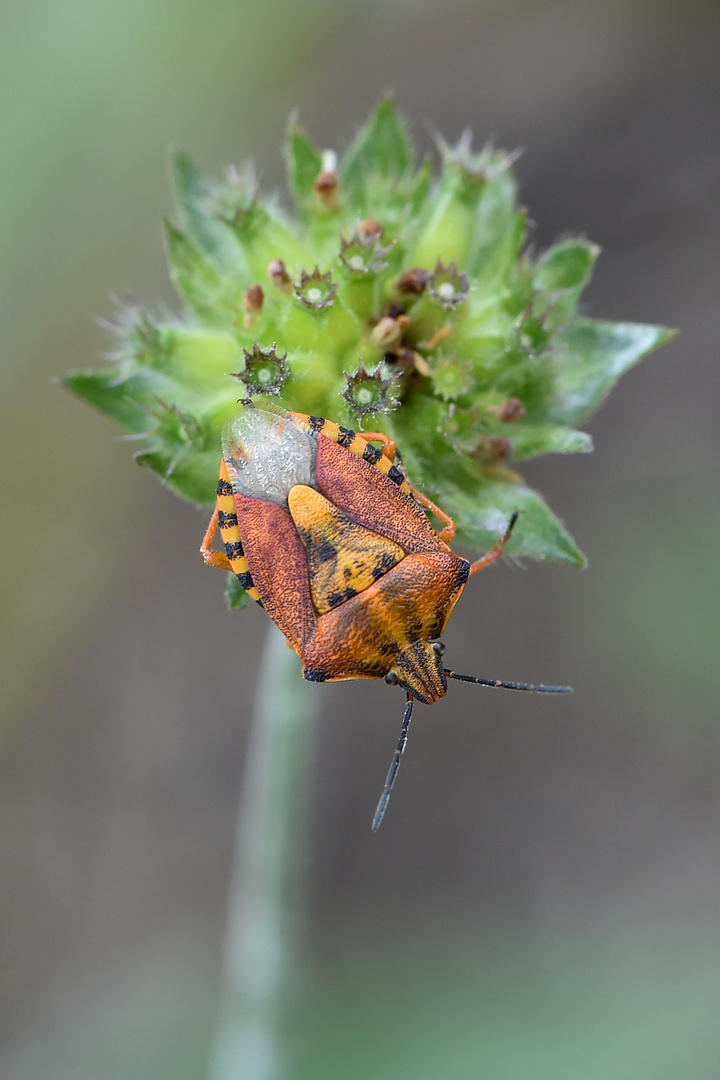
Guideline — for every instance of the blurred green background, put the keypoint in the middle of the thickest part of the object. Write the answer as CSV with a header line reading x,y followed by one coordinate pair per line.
x,y
543,902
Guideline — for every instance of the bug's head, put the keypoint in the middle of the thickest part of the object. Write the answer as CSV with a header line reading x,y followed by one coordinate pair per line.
x,y
419,670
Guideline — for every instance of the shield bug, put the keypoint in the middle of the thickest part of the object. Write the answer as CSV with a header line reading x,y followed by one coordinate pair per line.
x,y
326,533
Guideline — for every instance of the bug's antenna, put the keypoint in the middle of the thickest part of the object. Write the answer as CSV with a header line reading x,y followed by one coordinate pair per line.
x,y
394,765
539,689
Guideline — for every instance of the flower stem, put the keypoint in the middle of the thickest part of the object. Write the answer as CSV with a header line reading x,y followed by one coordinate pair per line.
x,y
264,888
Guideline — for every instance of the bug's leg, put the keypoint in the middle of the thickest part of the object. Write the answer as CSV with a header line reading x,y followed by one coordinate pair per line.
x,y
448,532
389,447
224,518
360,443
213,558
494,554
390,451
394,766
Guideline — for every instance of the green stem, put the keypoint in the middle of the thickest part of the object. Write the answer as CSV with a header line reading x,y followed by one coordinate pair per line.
x,y
264,890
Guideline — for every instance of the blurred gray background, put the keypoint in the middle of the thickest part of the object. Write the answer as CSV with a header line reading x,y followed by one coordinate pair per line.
x,y
543,901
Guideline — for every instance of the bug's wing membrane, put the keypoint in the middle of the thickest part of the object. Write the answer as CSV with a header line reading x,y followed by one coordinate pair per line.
x,y
267,453
370,499
278,564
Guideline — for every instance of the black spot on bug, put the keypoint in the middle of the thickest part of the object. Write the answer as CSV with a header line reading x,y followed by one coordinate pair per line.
x,y
395,475
246,580
336,598
386,563
234,551
346,436
315,676
317,423
462,574
325,552
372,454
224,488
226,520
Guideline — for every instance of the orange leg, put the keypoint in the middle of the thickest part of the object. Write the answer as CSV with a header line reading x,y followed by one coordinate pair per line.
x,y
389,447
494,554
390,451
213,558
448,532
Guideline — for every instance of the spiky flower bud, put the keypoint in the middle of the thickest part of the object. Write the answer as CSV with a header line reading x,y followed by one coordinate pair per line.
x,y
448,286
362,254
264,372
367,392
474,356
451,377
315,290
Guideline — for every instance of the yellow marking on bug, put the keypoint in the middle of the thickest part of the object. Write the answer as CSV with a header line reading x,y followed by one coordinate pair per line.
x,y
344,559
230,534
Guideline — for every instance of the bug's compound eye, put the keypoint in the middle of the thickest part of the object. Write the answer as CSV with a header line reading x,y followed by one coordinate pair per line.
x,y
438,648
391,679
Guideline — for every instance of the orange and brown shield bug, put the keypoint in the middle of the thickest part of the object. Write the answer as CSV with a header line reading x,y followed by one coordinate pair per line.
x,y
324,530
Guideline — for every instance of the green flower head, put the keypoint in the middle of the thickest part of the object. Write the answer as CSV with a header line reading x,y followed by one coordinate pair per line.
x,y
390,299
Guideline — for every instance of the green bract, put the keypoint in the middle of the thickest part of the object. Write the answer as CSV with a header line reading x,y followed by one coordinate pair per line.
x,y
401,302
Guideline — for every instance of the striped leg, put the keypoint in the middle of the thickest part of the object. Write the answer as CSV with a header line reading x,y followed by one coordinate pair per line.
x,y
224,518
213,558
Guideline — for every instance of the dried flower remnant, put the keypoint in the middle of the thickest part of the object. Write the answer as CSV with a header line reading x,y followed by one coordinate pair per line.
x,y
413,281
387,332
327,182
277,272
369,228
510,410
253,304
